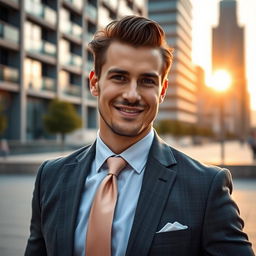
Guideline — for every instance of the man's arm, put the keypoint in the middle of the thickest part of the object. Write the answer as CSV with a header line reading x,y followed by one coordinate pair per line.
x,y
222,229
36,243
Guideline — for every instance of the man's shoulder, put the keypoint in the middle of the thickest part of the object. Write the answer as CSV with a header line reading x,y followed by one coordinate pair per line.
x,y
195,173
56,164
180,161
190,166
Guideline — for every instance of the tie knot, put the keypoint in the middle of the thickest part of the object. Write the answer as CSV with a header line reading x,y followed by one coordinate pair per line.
x,y
115,165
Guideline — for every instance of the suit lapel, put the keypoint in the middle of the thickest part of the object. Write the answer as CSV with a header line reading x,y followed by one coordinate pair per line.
x,y
157,183
73,179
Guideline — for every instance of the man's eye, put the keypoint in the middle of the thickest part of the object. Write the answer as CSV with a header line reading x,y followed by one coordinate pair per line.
x,y
148,81
119,77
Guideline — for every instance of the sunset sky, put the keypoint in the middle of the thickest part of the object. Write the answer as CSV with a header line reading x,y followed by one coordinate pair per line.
x,y
205,14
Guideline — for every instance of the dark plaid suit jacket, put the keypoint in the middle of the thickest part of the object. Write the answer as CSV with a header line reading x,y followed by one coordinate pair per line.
x,y
175,188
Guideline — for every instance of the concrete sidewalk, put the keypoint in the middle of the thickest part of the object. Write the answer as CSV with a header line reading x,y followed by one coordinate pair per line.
x,y
27,163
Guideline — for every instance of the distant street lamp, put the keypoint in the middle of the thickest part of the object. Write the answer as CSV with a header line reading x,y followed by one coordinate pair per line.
x,y
221,81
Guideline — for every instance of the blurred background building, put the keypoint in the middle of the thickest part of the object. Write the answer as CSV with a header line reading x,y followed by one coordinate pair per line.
x,y
44,54
175,16
204,102
228,53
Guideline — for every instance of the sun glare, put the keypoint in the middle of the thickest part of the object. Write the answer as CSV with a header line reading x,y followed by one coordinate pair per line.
x,y
220,80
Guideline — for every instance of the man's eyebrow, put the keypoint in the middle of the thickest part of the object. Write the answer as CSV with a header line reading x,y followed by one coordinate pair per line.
x,y
121,71
153,75
117,70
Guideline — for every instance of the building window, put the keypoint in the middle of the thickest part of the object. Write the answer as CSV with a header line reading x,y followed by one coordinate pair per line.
x,y
35,110
33,74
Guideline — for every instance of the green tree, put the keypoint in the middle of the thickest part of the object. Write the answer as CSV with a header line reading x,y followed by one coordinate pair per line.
x,y
163,126
61,118
173,127
178,128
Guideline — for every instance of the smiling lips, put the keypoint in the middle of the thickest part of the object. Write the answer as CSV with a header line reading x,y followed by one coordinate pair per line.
x,y
129,111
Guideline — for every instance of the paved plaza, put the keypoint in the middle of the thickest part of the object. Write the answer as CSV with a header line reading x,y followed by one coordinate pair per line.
x,y
15,213
15,210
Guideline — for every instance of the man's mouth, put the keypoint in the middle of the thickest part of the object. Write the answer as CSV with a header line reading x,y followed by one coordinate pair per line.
x,y
129,110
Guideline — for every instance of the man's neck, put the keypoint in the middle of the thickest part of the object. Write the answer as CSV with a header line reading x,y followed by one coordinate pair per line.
x,y
118,143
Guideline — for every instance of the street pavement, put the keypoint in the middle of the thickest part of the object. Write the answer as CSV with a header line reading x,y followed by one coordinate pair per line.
x,y
15,213
15,210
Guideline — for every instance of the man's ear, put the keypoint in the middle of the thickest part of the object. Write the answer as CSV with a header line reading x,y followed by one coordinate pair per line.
x,y
163,90
93,83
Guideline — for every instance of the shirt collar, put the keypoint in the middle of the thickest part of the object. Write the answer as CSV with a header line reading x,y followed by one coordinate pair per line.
x,y
136,155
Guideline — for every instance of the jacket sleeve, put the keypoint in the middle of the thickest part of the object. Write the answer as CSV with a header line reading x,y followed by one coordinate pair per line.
x,y
222,229
36,244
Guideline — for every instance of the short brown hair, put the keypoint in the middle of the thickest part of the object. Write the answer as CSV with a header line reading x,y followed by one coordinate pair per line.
x,y
133,30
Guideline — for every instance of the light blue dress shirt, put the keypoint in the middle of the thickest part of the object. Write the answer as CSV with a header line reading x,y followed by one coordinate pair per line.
x,y
129,185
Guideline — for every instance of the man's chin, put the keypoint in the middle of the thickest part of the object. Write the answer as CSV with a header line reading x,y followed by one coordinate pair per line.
x,y
126,132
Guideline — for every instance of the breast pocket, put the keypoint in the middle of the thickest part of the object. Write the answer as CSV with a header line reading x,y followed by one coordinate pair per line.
x,y
171,243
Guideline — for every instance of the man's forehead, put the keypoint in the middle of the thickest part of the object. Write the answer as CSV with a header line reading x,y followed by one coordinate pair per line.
x,y
121,54
117,46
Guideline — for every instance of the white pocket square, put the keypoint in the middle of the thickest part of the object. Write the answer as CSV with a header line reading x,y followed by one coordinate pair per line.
x,y
172,227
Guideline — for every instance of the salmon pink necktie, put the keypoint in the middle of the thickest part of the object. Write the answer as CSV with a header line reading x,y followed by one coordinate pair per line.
x,y
98,240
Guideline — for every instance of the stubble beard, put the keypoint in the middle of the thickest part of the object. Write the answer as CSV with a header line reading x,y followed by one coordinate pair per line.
x,y
120,131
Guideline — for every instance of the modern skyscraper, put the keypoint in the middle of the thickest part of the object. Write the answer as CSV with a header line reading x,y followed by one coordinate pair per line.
x,y
44,54
176,18
228,53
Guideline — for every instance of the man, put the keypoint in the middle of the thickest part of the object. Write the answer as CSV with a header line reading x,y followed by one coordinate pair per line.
x,y
167,203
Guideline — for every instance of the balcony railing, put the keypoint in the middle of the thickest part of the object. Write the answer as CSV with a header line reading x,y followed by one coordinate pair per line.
x,y
42,47
91,11
76,3
42,84
48,84
72,28
73,90
9,32
9,74
72,60
42,11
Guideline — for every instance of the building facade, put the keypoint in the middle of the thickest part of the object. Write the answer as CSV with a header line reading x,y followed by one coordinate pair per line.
x,y
228,53
176,19
44,55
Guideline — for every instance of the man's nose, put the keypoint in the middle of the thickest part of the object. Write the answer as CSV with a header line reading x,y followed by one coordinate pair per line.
x,y
131,92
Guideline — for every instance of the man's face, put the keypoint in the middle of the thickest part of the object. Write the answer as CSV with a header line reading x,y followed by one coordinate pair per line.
x,y
129,89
